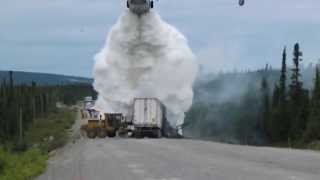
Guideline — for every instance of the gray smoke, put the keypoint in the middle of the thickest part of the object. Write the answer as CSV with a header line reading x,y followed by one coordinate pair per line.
x,y
145,57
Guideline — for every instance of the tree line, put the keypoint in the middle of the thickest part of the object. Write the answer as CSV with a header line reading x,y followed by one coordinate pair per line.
x,y
262,107
21,104
294,112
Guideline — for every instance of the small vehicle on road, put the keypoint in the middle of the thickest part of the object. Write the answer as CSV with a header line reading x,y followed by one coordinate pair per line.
x,y
101,126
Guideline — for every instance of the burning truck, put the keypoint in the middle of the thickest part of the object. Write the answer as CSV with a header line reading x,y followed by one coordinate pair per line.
x,y
148,119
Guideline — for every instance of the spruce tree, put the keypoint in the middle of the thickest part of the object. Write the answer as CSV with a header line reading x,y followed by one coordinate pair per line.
x,y
313,127
284,124
298,98
296,84
283,79
266,104
272,124
316,90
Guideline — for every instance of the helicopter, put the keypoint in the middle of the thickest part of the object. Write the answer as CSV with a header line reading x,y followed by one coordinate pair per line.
x,y
241,2
140,7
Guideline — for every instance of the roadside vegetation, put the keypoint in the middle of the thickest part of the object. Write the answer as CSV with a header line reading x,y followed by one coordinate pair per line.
x,y
51,132
31,125
314,145
22,166
27,159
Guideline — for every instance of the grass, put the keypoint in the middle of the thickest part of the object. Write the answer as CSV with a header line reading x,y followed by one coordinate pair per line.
x,y
22,166
46,134
314,145
51,132
299,144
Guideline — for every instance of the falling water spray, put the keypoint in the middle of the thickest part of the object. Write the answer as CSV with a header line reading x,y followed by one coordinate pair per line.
x,y
145,57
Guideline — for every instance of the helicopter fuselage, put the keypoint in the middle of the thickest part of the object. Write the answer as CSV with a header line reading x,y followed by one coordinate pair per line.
x,y
140,7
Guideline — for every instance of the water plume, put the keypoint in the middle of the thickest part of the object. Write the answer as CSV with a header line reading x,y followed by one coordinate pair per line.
x,y
145,57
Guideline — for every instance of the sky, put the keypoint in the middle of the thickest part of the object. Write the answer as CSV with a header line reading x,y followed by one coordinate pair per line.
x,y
62,36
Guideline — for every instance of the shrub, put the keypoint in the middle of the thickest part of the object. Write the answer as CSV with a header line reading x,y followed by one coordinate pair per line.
x,y
55,126
2,164
20,146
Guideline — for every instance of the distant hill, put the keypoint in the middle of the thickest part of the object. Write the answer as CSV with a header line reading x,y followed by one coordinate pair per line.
x,y
43,78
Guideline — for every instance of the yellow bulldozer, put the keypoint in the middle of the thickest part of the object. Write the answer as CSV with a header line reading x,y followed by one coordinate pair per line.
x,y
99,126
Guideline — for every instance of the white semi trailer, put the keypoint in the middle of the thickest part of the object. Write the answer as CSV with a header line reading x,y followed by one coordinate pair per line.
x,y
149,114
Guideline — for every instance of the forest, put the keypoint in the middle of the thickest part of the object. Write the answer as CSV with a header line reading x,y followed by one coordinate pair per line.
x,y
277,107
22,104
31,123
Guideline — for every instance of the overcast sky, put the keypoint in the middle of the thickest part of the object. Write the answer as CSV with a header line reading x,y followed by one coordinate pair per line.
x,y
62,36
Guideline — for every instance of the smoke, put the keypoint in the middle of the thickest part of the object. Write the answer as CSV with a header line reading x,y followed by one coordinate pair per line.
x,y
227,107
145,57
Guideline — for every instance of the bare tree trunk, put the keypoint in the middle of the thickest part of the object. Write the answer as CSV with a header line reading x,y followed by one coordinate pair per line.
x,y
33,110
20,125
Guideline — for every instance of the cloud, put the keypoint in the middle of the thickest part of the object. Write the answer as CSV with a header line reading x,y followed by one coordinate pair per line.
x,y
246,37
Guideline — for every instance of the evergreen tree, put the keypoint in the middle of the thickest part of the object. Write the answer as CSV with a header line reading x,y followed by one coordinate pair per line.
x,y
21,104
279,124
313,127
283,79
265,91
296,84
284,124
316,90
299,99
276,96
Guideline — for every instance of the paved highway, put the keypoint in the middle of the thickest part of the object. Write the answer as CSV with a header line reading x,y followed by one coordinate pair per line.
x,y
178,159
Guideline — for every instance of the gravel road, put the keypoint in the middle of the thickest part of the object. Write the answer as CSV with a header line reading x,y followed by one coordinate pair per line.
x,y
180,159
